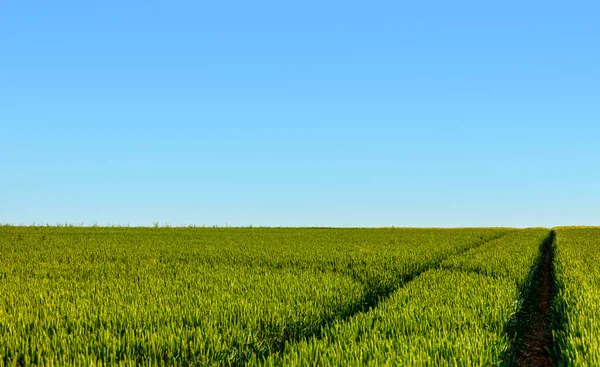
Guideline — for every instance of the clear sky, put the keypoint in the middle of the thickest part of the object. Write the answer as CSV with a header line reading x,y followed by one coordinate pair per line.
x,y
307,113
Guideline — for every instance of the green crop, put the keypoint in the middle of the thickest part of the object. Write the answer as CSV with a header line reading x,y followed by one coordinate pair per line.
x,y
455,314
577,304
100,296
201,296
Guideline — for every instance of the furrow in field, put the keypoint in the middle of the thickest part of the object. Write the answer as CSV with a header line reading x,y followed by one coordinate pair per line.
x,y
533,341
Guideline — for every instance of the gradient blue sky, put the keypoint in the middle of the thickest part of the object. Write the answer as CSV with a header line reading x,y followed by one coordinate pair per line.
x,y
326,113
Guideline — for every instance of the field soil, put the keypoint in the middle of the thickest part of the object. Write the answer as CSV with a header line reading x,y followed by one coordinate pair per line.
x,y
536,335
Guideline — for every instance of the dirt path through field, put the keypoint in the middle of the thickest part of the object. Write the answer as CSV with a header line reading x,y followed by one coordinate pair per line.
x,y
536,334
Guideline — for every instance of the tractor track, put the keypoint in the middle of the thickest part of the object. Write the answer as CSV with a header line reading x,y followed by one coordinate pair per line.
x,y
533,343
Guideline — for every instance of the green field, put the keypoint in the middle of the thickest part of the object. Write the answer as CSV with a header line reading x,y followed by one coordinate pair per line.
x,y
293,296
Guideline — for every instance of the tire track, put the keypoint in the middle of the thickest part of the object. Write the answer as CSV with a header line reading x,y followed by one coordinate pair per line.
x,y
532,323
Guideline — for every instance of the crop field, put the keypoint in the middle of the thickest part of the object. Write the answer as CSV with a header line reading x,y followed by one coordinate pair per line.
x,y
99,296
577,303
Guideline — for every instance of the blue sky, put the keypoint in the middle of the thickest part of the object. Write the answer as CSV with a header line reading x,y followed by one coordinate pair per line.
x,y
307,113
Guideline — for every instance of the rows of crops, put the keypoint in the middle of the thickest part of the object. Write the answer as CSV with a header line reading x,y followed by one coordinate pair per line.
x,y
577,303
452,315
283,296
200,296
